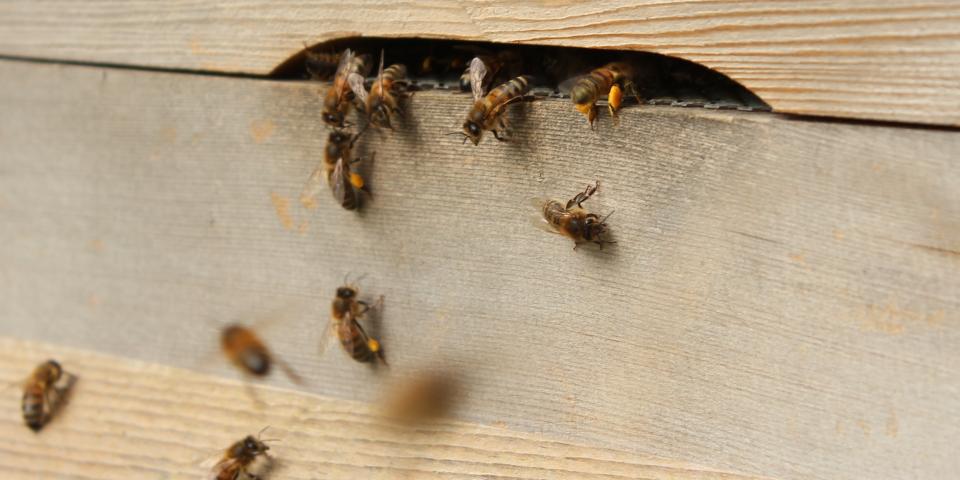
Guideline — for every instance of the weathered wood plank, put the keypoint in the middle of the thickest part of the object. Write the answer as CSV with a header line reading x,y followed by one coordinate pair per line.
x,y
882,60
783,300
129,419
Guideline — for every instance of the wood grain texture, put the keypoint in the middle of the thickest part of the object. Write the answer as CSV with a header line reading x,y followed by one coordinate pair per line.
x,y
129,419
893,60
782,300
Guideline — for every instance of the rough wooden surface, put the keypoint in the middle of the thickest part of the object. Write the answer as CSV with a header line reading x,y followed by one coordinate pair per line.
x,y
782,300
883,60
128,419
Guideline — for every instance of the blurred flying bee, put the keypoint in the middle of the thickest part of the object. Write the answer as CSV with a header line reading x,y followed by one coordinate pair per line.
x,y
345,314
611,80
571,220
350,71
43,393
245,459
243,347
383,100
339,146
488,111
320,65
422,398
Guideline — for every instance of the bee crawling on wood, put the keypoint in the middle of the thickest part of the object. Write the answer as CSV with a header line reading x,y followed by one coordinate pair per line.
x,y
44,392
245,459
572,220
336,104
488,110
611,80
345,313
335,169
383,100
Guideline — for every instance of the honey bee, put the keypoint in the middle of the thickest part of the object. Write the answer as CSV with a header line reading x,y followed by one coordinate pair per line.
x,y
247,352
339,146
350,72
422,398
320,65
245,459
610,80
346,184
572,220
383,101
43,392
345,314
487,112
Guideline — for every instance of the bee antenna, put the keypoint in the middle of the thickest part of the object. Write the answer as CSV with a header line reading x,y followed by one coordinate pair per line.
x,y
264,429
606,217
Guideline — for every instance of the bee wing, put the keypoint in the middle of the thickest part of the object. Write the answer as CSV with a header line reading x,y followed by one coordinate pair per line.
x,y
325,336
225,465
212,460
541,224
478,71
355,80
340,181
536,219
538,202
308,197
380,73
345,60
566,86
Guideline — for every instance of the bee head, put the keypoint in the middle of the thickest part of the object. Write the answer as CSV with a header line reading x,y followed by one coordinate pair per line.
x,y
333,118
472,131
594,227
53,370
252,446
346,293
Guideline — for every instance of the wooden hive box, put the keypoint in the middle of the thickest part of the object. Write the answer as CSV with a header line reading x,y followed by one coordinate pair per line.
x,y
783,300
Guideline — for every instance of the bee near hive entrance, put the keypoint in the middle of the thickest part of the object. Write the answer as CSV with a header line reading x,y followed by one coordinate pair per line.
x,y
611,78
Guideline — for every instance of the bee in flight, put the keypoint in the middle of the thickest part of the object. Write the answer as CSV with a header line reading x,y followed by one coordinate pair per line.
x,y
340,96
611,80
572,220
345,314
422,398
245,459
383,100
335,169
488,110
43,393
243,347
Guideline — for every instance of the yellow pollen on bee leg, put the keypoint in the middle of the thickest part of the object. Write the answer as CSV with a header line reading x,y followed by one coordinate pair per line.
x,y
615,98
356,180
373,345
583,108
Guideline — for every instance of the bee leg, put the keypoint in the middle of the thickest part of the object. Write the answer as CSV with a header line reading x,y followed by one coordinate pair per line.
x,y
497,136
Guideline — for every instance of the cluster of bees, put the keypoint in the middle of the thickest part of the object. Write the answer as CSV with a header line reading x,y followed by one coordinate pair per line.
x,y
494,91
47,387
487,77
